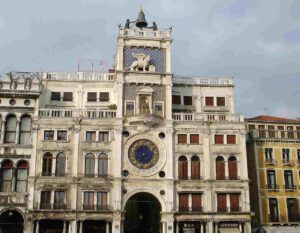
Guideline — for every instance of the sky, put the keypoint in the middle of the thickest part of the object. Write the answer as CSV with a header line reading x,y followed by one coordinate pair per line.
x,y
257,42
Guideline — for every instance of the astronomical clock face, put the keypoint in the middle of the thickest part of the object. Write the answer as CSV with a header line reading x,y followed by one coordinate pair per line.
x,y
143,154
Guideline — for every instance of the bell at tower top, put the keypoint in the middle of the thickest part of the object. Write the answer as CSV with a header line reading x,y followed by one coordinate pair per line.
x,y
141,20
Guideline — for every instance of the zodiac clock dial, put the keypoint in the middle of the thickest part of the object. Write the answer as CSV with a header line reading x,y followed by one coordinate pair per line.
x,y
143,154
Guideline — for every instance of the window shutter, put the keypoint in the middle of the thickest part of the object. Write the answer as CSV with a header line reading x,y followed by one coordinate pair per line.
x,y
196,202
182,138
176,99
232,170
55,96
209,101
182,169
104,97
220,101
183,202
195,171
188,100
231,139
219,139
221,202
234,202
68,96
220,170
92,97
194,138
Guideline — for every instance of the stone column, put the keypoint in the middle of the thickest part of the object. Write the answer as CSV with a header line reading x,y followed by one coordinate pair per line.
x,y
247,227
17,141
107,227
163,224
201,227
116,226
37,227
65,227
189,167
177,227
209,227
80,226
3,131
216,227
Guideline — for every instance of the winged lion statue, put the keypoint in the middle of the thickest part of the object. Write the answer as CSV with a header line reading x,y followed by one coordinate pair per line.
x,y
142,62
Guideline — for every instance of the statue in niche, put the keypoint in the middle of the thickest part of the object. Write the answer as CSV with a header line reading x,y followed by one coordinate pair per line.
x,y
142,63
144,105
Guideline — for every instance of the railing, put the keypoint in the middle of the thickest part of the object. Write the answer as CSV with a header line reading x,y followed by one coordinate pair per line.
x,y
208,117
228,178
96,207
270,161
287,162
13,199
274,218
148,33
105,176
202,81
57,174
73,113
290,187
275,134
79,76
46,206
273,187
229,209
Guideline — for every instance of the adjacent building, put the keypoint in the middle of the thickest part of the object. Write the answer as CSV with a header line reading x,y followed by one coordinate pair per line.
x,y
136,149
273,149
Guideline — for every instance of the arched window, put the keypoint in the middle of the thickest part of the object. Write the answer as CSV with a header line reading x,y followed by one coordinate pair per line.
x,y
89,165
6,176
60,164
102,164
195,168
47,164
21,179
10,129
232,168
182,168
25,130
220,168
0,126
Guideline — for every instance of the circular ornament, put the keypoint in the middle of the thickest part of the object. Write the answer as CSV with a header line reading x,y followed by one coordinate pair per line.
x,y
143,154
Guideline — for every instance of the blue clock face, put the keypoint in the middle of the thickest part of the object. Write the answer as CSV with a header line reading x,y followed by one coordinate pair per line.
x,y
143,154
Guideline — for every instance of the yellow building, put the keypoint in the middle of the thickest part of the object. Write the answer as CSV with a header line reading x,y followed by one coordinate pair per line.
x,y
273,151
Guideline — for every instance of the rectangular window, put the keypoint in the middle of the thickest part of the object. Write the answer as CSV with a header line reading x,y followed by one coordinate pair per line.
x,y
221,202
220,101
55,96
129,108
271,131
251,127
261,131
59,200
271,179
273,209
219,139
196,202
88,201
90,136
68,96
290,132
48,135
176,99
103,136
187,100
101,200
183,202
288,180
182,138
104,97
298,132
231,139
158,109
45,200
269,155
281,132
298,155
286,155
209,101
62,135
92,96
194,138
234,202
292,209
6,179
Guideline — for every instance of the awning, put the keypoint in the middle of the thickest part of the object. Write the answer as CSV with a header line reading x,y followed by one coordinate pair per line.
x,y
229,230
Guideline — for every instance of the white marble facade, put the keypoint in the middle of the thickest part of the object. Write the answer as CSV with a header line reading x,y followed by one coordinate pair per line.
x,y
89,176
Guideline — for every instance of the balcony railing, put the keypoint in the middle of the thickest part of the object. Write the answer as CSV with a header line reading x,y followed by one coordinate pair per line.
x,y
275,134
229,209
270,161
46,206
208,117
272,187
273,218
96,207
186,209
290,187
76,113
202,81
288,162
17,199
46,174
79,76
145,32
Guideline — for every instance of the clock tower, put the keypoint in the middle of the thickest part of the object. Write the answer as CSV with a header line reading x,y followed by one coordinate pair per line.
x,y
144,94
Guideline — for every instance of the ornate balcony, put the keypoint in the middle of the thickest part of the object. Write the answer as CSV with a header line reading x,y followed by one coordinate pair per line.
x,y
79,76
76,113
204,117
272,187
15,199
96,207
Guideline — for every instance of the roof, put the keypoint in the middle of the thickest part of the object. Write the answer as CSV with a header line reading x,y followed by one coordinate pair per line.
x,y
274,119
